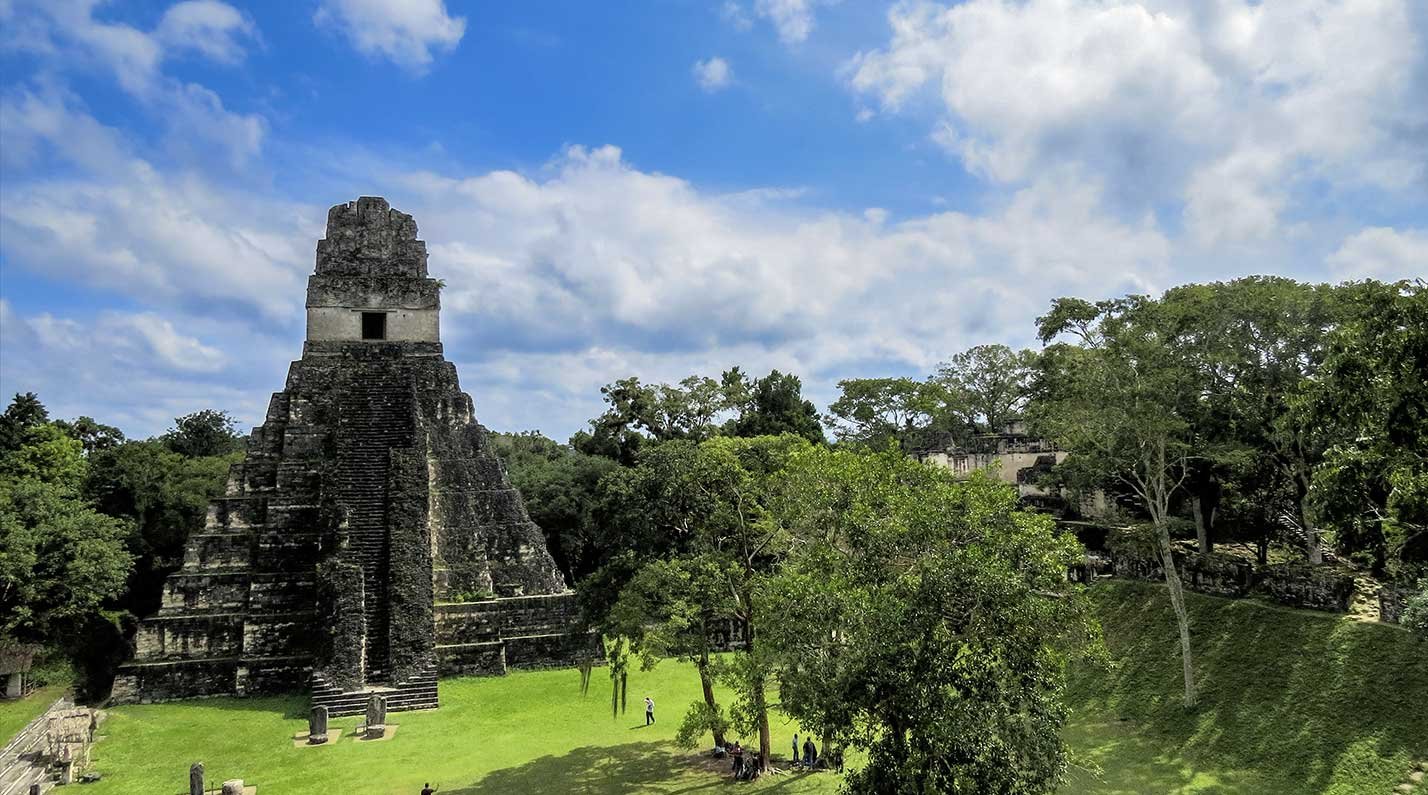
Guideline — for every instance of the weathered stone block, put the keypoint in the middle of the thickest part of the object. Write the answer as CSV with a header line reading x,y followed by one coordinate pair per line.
x,y
195,779
317,725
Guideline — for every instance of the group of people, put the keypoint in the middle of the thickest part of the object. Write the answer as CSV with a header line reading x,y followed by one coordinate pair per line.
x,y
805,756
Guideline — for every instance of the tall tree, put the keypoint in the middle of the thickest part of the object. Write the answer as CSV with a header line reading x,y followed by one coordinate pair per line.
x,y
59,558
874,411
1120,401
924,619
1373,482
204,433
24,412
991,383
774,405
1258,341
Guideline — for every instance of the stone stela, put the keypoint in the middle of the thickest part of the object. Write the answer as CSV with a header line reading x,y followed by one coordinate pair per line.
x,y
368,496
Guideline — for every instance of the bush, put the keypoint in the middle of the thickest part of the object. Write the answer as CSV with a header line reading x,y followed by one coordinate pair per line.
x,y
1415,610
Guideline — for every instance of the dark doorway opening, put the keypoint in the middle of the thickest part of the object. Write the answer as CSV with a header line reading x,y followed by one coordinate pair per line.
x,y
374,325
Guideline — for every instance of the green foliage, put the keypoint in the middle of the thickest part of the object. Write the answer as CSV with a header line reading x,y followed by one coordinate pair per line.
x,y
774,406
24,412
1415,610
204,433
564,494
923,619
1373,481
990,383
874,411
59,558
165,494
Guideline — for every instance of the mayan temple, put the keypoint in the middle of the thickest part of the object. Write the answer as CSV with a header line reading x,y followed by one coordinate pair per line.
x,y
370,539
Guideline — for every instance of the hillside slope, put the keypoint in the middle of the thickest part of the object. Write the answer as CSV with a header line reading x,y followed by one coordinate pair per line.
x,y
1291,701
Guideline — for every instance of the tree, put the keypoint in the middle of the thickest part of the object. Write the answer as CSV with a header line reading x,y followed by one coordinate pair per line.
x,y
774,405
93,436
924,619
204,433
872,411
1119,401
1258,341
59,559
1372,484
706,502
165,496
562,489
24,412
990,382
675,608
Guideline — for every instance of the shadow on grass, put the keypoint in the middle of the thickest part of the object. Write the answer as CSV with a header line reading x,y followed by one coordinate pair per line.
x,y
1306,700
614,770
600,770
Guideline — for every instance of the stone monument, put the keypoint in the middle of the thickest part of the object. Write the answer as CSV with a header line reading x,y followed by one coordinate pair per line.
x,y
376,716
317,725
195,779
367,500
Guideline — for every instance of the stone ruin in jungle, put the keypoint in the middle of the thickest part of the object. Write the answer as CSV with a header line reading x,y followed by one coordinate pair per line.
x,y
369,500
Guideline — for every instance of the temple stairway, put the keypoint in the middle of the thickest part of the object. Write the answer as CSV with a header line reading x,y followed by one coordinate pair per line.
x,y
376,417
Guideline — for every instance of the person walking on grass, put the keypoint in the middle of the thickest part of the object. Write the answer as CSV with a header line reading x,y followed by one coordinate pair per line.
x,y
738,754
649,710
795,748
808,753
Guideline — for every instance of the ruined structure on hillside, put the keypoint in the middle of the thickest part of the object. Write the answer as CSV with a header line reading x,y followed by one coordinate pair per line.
x,y
369,499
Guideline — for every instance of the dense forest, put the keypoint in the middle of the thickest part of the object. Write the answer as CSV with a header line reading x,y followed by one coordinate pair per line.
x,y
891,607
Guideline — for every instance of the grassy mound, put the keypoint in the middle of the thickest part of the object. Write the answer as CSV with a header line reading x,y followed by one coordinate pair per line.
x,y
1291,701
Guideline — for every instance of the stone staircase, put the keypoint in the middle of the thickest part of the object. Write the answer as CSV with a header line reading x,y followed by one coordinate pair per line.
x,y
376,417
22,760
417,693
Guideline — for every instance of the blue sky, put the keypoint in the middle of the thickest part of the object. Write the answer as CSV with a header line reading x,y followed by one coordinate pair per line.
x,y
837,189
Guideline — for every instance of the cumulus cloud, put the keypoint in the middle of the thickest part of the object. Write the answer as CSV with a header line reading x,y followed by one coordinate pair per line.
x,y
213,29
1381,252
1224,108
123,224
598,269
135,370
405,32
793,19
67,35
713,74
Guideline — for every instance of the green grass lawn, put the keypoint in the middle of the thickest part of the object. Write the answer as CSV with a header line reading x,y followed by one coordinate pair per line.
x,y
1291,701
525,732
15,714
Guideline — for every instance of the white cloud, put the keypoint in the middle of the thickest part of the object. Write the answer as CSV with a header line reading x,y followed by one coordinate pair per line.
x,y
136,370
597,270
1381,252
713,74
66,34
734,14
208,27
1225,107
405,32
793,19
125,225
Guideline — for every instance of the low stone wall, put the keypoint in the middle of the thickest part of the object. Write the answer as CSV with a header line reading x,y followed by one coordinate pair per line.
x,y
1292,584
492,636
1302,585
1392,600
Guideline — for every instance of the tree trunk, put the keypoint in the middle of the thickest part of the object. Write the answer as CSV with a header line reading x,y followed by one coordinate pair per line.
x,y
1202,523
1177,601
708,685
1311,533
624,689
